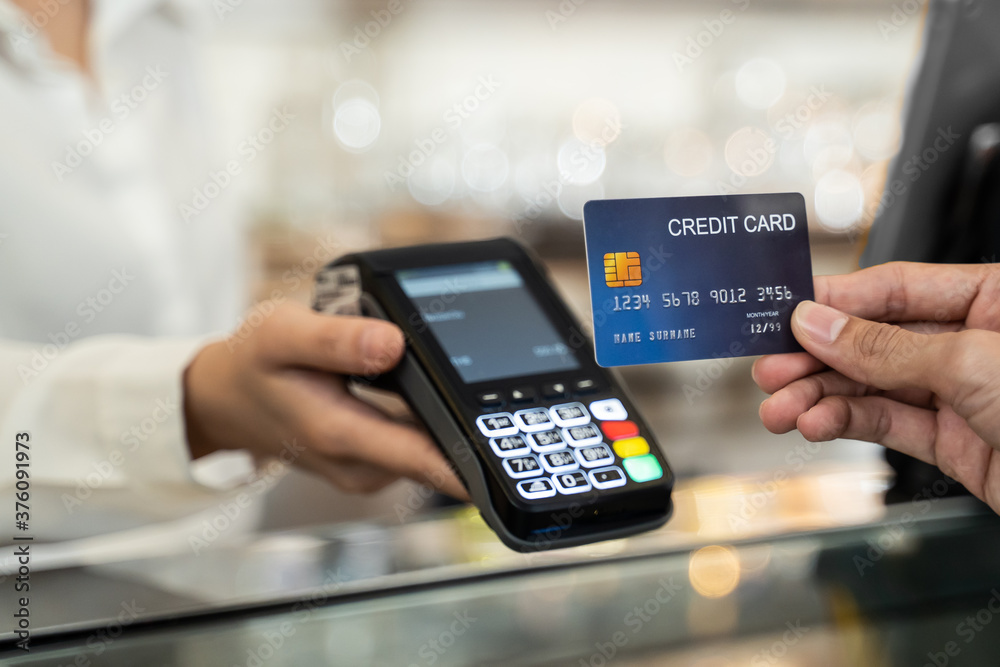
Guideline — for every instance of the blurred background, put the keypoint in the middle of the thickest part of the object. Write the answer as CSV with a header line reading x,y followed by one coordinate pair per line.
x,y
419,121
414,121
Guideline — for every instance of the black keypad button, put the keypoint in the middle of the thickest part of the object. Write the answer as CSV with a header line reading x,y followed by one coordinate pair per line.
x,y
572,482
522,394
510,445
608,478
580,436
490,399
536,488
585,386
533,419
592,457
522,466
569,414
555,390
546,441
556,462
497,425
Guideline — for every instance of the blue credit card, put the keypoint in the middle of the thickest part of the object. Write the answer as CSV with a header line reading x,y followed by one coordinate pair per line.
x,y
678,278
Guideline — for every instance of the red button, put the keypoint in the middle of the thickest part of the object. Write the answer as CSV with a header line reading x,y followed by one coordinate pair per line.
x,y
619,430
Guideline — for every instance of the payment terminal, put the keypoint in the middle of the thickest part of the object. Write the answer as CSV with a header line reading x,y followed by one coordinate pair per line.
x,y
552,451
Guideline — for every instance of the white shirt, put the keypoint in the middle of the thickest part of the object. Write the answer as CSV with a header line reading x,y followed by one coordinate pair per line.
x,y
106,292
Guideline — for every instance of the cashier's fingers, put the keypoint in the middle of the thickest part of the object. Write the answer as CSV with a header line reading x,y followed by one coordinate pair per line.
x,y
359,432
297,336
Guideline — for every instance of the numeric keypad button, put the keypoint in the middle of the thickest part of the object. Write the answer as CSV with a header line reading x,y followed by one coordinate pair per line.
x,y
594,456
546,441
499,424
581,436
609,409
563,461
509,445
536,488
608,478
520,467
532,420
572,482
569,414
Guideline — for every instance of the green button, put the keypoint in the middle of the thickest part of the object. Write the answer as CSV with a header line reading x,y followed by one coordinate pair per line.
x,y
643,468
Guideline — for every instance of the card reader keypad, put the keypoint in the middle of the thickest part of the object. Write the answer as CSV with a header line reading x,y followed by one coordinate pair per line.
x,y
570,448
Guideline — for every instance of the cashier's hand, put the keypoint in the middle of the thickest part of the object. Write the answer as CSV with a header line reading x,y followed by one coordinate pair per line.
x,y
906,355
286,382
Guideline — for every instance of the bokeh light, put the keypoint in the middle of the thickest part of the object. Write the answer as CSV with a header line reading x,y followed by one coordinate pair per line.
x,y
356,124
485,167
688,152
580,162
839,200
714,571
750,151
597,121
877,131
433,182
760,83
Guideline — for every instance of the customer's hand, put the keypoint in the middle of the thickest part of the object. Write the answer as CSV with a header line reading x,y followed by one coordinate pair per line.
x,y
285,382
927,385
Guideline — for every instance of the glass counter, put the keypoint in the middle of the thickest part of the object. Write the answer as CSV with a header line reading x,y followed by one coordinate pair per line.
x,y
733,580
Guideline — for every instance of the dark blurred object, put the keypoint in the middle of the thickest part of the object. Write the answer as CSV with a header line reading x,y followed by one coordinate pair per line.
x,y
942,196
939,203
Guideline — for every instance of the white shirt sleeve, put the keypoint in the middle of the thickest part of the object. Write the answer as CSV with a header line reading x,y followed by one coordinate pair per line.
x,y
107,440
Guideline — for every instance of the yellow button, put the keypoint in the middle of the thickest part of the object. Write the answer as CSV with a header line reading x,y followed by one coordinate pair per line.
x,y
631,447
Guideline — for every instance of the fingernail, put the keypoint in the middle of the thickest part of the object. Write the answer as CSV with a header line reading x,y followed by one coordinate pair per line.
x,y
821,323
378,342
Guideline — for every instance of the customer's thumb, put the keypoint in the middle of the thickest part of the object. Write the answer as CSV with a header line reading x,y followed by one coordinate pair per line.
x,y
881,355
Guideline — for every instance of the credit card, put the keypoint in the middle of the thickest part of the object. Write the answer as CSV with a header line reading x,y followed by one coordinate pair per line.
x,y
679,278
